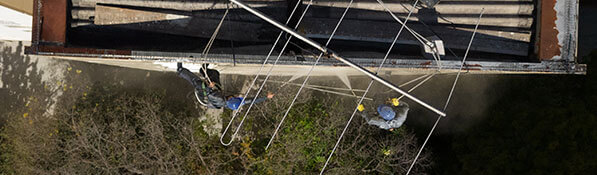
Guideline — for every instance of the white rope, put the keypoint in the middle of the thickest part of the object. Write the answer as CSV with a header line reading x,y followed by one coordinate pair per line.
x,y
199,99
210,42
271,68
215,33
368,87
321,88
316,86
337,93
437,58
307,77
417,36
418,84
451,92
409,82
255,79
412,81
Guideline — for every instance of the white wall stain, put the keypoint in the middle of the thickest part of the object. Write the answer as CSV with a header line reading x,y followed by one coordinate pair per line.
x,y
565,14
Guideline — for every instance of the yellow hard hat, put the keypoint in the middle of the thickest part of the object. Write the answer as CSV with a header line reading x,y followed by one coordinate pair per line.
x,y
395,101
361,108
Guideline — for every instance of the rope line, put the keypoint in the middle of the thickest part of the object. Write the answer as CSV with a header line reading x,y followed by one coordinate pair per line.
x,y
451,91
211,40
409,82
234,114
412,81
417,36
419,84
337,93
316,86
271,68
307,77
368,87
331,54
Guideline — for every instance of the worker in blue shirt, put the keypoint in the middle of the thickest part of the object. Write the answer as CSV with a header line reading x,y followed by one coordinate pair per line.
x,y
235,102
387,117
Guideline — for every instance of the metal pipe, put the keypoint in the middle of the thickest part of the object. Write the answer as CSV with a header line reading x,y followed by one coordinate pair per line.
x,y
334,55
279,25
253,83
388,84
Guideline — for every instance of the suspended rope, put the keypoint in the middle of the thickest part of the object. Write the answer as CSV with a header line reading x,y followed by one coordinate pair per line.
x,y
421,77
321,88
331,54
424,41
257,76
409,82
369,86
451,91
418,84
308,75
215,33
271,68
412,81
417,36
210,42
318,86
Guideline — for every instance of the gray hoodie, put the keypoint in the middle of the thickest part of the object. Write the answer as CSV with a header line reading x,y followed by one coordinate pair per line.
x,y
401,113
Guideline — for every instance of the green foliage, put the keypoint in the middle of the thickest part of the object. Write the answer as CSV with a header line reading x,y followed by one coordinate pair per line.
x,y
310,132
301,144
24,99
110,129
96,129
5,156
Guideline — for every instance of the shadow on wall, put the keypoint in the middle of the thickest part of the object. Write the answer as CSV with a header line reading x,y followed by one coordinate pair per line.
x,y
587,29
21,84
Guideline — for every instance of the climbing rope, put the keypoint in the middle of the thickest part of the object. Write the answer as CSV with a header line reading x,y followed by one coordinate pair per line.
x,y
215,33
271,68
308,75
234,114
370,83
321,88
419,84
417,36
317,86
451,91
424,41
211,41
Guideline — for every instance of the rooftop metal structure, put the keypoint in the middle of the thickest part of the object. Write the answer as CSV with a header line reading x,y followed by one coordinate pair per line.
x,y
516,36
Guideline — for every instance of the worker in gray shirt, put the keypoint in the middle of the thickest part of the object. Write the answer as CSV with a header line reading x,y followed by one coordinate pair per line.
x,y
207,88
387,117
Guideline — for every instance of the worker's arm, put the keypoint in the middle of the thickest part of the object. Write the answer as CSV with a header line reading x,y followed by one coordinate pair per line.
x,y
259,100
375,121
379,122
401,114
255,101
